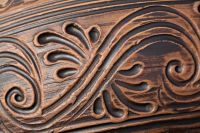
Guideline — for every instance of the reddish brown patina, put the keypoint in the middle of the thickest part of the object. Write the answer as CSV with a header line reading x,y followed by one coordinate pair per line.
x,y
99,66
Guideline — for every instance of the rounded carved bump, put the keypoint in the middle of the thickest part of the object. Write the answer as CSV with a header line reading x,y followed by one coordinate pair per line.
x,y
177,73
15,97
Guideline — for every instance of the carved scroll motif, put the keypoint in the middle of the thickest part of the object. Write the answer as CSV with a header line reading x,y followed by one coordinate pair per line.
x,y
144,67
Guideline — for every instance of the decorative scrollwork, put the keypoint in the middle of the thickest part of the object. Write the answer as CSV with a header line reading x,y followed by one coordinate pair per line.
x,y
75,55
22,85
180,73
127,71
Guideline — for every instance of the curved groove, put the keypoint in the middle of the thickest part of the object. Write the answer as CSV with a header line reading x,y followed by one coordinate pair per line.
x,y
143,12
42,8
26,51
76,86
74,30
178,41
179,97
134,70
114,31
66,72
172,120
94,34
139,107
146,27
92,65
144,43
49,37
86,13
178,69
116,48
68,10
17,58
37,97
110,36
49,6
97,107
136,87
115,112
43,125
61,55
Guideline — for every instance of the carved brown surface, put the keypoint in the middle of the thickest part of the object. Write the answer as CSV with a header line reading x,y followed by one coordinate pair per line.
x,y
99,65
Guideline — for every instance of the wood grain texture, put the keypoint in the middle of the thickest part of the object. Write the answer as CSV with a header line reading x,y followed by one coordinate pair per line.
x,y
99,66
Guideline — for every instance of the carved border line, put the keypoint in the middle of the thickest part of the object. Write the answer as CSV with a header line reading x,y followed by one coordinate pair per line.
x,y
168,120
68,13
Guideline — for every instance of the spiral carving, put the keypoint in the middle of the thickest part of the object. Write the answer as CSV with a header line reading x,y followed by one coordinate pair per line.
x,y
182,76
180,73
20,76
16,95
118,74
111,66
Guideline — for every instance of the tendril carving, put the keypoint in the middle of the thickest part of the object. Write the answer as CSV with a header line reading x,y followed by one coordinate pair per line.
x,y
178,73
75,54
22,86
133,71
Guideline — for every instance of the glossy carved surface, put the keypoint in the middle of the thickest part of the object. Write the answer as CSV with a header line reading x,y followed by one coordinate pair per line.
x,y
99,65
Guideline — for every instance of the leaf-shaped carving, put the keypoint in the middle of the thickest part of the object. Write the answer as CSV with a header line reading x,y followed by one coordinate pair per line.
x,y
124,76
74,54
177,72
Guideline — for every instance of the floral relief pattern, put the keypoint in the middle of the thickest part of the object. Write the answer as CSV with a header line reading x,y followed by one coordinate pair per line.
x,y
144,66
